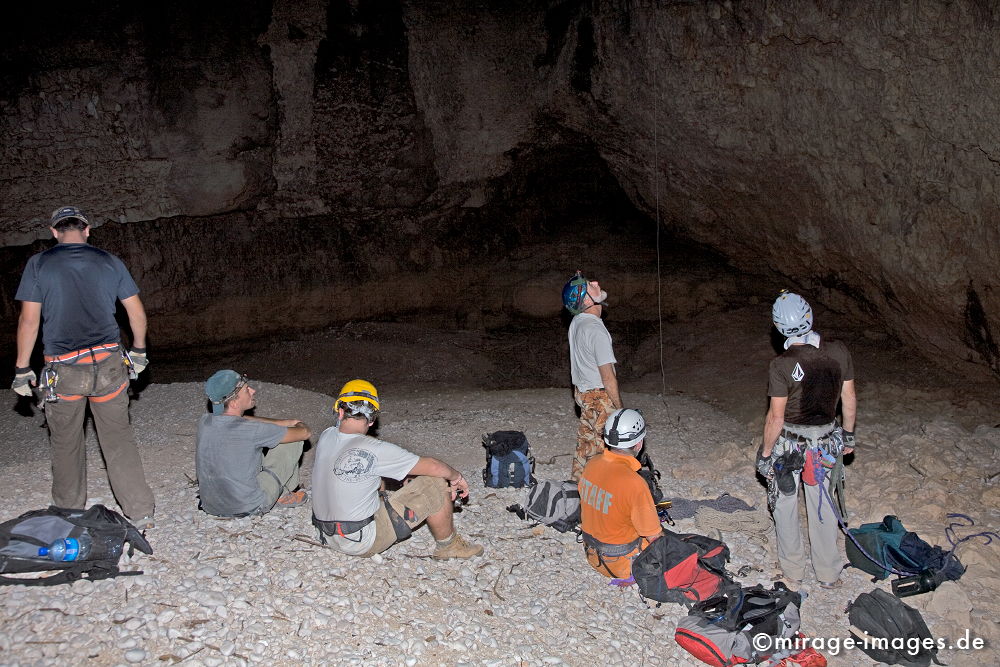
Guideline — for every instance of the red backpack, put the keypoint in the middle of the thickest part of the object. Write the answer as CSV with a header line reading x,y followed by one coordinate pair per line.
x,y
681,568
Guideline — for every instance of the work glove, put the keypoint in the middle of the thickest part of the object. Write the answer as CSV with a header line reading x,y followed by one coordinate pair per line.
x,y
764,464
139,359
24,380
849,440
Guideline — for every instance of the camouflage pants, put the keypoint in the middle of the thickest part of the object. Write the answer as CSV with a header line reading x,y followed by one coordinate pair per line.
x,y
595,406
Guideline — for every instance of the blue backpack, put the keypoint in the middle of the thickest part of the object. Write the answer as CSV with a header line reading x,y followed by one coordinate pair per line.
x,y
508,460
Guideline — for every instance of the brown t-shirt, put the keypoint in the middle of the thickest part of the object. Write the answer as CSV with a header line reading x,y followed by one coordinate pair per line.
x,y
812,379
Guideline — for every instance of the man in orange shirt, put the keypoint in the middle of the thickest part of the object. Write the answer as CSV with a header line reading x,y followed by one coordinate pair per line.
x,y
617,513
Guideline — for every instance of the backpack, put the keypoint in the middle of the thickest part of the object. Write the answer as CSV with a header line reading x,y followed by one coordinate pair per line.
x,y
555,504
882,542
721,631
508,460
899,551
890,631
108,531
681,568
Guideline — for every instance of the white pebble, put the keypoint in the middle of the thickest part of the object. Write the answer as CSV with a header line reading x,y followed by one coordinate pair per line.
x,y
135,655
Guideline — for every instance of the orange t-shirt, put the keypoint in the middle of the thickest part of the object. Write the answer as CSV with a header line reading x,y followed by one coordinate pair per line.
x,y
615,504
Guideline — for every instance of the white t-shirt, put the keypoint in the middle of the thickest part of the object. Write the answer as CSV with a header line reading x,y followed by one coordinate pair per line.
x,y
589,347
347,474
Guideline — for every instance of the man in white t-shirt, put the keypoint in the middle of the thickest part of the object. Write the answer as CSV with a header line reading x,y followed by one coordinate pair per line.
x,y
592,364
350,507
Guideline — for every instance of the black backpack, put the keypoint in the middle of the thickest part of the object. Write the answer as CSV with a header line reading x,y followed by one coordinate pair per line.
x,y
682,567
508,460
890,631
21,538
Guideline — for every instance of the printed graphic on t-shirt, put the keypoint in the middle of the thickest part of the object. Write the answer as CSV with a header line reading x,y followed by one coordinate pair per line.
x,y
354,465
798,373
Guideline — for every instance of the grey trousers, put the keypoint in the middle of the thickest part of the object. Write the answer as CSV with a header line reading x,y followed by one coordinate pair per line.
x,y
826,559
121,454
281,472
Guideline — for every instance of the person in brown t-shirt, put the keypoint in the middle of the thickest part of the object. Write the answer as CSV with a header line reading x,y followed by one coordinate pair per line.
x,y
805,384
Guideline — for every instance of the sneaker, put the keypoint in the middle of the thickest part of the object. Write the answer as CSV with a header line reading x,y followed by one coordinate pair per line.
x,y
457,548
293,499
145,523
832,585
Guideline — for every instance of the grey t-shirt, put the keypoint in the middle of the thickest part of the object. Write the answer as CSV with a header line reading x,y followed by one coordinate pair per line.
x,y
228,457
347,474
589,347
78,286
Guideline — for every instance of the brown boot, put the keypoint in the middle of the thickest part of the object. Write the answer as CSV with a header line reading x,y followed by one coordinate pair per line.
x,y
457,547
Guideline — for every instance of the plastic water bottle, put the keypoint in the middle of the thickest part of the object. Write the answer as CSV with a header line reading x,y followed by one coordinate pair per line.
x,y
67,548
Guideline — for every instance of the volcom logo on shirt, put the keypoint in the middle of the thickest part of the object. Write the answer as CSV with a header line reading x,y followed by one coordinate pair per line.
x,y
798,373
354,465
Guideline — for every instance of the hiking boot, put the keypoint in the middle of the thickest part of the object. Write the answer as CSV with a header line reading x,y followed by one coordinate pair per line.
x,y
293,499
457,548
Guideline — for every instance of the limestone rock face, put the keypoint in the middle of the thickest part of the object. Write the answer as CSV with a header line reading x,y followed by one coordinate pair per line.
x,y
852,148
133,114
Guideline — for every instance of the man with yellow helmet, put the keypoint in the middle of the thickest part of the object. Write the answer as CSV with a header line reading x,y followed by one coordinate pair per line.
x,y
351,508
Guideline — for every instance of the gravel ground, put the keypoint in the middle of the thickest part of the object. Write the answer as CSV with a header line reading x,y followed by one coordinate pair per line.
x,y
221,592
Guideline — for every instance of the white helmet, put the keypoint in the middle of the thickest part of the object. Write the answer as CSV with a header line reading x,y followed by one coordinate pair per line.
x,y
624,428
792,315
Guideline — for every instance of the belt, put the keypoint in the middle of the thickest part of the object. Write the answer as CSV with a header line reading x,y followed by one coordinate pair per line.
x,y
341,528
87,355
808,433
611,550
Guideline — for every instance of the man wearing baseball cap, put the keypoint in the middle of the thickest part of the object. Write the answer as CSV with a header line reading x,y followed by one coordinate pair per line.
x,y
236,478
73,289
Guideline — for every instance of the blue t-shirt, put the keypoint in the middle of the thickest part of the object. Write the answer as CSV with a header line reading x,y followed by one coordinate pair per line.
x,y
78,286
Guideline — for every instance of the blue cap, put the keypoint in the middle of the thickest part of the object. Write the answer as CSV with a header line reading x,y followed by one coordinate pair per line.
x,y
64,212
221,386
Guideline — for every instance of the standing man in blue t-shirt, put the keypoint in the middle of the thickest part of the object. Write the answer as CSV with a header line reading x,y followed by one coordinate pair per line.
x,y
72,289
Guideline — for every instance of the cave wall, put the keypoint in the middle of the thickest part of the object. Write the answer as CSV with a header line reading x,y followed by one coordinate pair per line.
x,y
850,147
133,111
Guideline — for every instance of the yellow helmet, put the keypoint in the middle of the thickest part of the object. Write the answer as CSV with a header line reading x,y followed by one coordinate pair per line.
x,y
358,390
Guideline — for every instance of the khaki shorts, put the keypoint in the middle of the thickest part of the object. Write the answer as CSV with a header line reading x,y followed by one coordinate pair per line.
x,y
416,501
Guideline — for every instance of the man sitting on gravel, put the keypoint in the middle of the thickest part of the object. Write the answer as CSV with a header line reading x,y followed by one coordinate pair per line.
x,y
235,477
617,513
801,435
350,505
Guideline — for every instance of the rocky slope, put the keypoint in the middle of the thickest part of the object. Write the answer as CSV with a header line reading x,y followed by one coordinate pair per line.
x,y
259,591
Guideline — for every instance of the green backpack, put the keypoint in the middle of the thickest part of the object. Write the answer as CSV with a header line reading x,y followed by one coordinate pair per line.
x,y
876,549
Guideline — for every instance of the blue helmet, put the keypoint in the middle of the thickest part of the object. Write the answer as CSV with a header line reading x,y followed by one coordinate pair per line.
x,y
574,293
